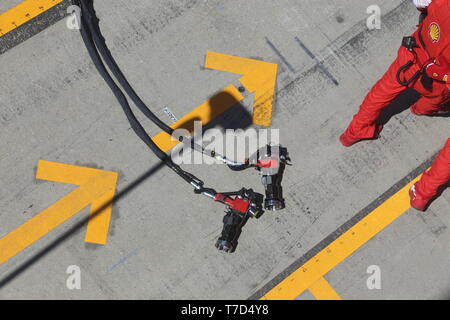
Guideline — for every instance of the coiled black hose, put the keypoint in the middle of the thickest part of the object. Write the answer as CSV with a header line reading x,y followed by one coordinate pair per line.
x,y
88,35
92,23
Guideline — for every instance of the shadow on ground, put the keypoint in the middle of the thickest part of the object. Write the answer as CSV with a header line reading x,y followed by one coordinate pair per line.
x,y
73,230
403,102
234,118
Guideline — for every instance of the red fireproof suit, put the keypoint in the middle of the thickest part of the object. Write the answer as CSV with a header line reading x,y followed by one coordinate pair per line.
x,y
437,176
433,37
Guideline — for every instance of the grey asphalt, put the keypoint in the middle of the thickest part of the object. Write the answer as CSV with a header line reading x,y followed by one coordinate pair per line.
x,y
6,5
54,106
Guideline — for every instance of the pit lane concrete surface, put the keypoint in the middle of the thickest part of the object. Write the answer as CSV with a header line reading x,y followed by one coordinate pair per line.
x,y
347,231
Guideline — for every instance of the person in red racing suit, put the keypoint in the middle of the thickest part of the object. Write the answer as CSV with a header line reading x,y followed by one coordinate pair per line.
x,y
431,57
428,186
423,66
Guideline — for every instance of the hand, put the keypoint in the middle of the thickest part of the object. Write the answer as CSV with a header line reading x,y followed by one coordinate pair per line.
x,y
439,69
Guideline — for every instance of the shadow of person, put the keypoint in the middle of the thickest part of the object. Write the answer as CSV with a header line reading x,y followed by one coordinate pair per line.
x,y
236,117
223,110
403,102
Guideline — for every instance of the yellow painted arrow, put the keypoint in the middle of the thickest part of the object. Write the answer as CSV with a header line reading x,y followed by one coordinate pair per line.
x,y
259,77
96,188
205,113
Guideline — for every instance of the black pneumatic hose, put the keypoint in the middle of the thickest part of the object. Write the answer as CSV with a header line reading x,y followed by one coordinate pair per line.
x,y
136,126
92,22
121,98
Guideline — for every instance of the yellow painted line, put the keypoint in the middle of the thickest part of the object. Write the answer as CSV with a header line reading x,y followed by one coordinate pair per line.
x,y
24,12
97,187
205,113
259,77
336,252
322,290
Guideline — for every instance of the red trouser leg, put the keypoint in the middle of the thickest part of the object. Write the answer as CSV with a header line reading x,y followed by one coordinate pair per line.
x,y
437,176
387,89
